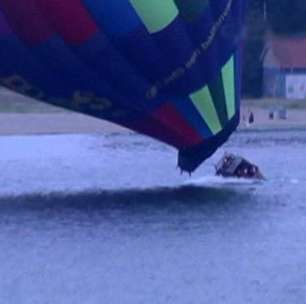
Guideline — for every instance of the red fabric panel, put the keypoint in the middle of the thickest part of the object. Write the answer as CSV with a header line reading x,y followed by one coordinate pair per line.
x,y
69,18
4,27
174,121
155,129
167,125
26,21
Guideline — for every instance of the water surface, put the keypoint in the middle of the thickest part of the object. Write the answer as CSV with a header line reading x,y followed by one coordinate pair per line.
x,y
93,219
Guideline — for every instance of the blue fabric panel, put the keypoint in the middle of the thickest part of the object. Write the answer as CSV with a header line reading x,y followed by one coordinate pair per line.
x,y
187,110
16,59
115,17
102,58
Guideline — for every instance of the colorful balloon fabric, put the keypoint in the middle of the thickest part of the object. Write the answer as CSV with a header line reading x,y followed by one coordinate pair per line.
x,y
165,68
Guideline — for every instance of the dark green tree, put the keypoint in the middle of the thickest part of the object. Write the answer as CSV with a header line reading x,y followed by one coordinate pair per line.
x,y
287,17
252,49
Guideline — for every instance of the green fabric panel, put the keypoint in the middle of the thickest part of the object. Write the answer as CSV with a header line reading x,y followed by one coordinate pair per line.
x,y
218,95
228,75
155,14
204,104
191,9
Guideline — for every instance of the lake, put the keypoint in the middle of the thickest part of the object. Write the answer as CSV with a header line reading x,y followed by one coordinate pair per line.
x,y
110,219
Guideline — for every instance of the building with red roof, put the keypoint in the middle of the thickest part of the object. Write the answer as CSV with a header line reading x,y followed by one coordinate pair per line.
x,y
284,64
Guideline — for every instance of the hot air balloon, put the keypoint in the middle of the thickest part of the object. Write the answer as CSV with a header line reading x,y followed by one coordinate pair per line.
x,y
168,69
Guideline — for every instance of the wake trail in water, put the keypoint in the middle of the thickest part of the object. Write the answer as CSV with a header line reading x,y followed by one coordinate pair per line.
x,y
218,181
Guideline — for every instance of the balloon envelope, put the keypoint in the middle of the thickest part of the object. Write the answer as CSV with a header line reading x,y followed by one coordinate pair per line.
x,y
165,68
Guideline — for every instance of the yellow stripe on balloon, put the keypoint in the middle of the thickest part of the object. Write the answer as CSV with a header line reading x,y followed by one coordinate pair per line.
x,y
228,75
155,14
204,103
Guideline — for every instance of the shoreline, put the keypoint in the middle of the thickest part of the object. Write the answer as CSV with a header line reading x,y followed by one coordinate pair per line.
x,y
55,123
75,123
21,115
296,119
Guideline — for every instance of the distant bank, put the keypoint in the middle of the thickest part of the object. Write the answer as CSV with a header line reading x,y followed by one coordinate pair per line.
x,y
21,116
